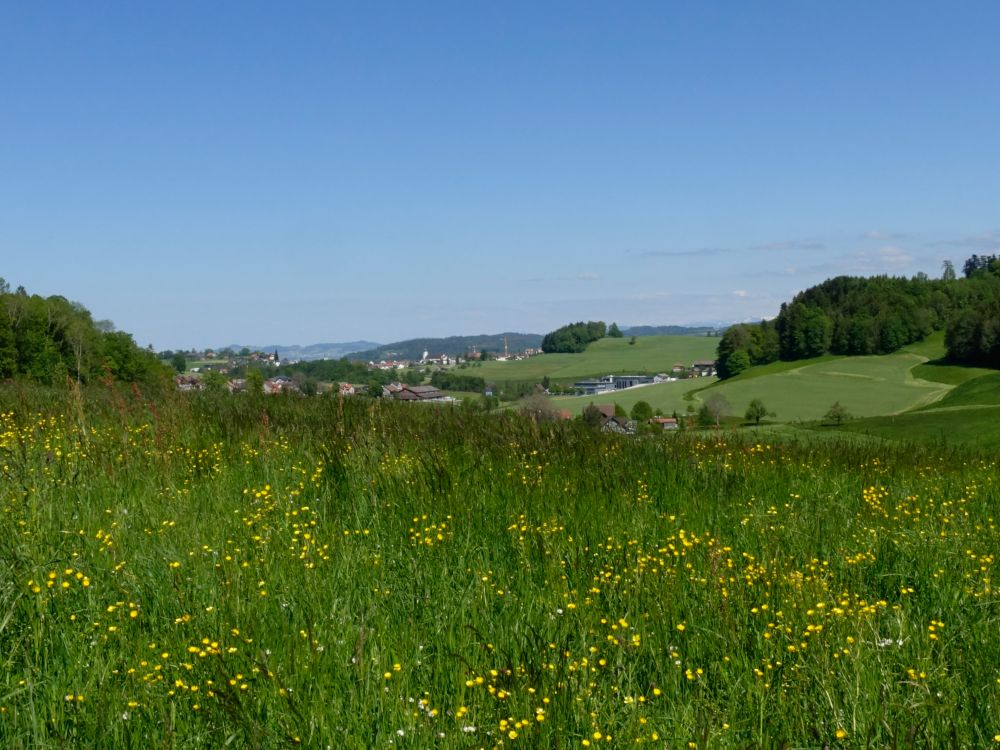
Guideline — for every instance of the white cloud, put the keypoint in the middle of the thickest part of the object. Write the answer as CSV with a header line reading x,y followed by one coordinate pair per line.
x,y
741,293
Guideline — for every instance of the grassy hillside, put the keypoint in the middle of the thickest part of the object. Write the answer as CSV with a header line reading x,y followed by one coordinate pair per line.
x,y
968,415
981,391
975,428
931,347
937,369
804,390
649,354
866,386
668,397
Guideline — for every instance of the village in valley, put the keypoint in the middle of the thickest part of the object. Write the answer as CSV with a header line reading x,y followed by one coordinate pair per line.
x,y
417,380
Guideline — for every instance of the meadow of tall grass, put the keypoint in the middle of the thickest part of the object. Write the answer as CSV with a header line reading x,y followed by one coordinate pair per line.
x,y
200,571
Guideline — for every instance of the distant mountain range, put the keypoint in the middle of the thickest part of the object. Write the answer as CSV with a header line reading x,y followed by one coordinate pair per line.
x,y
311,351
692,330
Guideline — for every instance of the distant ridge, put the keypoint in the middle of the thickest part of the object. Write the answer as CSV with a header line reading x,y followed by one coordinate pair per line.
x,y
453,345
692,330
310,351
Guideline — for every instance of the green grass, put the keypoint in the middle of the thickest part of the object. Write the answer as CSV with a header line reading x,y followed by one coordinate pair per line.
x,y
200,571
978,428
931,347
866,386
981,391
776,368
650,354
667,397
942,372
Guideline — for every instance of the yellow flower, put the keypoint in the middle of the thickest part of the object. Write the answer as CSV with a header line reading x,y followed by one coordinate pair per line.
x,y
841,733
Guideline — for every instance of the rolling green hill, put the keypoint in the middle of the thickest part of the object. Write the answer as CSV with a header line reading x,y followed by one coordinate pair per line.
x,y
866,386
649,354
910,395
974,427
983,391
899,397
667,397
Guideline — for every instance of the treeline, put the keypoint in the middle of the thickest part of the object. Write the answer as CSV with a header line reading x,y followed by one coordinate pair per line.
x,y
50,339
449,380
574,338
341,370
855,316
973,333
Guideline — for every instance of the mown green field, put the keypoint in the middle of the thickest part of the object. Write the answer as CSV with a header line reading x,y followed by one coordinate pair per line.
x,y
981,391
667,397
649,354
205,571
795,391
866,386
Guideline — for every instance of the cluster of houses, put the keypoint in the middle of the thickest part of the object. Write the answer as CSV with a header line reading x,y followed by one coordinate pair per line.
x,y
625,426
446,360
284,384
222,362
442,360
399,392
610,383
277,384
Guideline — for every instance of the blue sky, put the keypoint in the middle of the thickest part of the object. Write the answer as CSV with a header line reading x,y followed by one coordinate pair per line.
x,y
236,172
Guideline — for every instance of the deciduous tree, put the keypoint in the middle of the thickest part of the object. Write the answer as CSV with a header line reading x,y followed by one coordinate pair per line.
x,y
641,411
837,414
756,411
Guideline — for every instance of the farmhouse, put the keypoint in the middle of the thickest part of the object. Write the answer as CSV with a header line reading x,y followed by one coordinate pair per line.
x,y
703,368
665,423
620,425
419,393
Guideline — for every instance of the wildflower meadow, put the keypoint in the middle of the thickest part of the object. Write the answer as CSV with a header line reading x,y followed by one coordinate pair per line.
x,y
203,571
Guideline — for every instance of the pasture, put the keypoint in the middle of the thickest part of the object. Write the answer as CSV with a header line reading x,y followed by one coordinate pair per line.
x,y
866,386
649,354
668,397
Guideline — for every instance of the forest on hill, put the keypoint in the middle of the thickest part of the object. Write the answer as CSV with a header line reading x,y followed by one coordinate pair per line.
x,y
878,315
50,339
576,337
